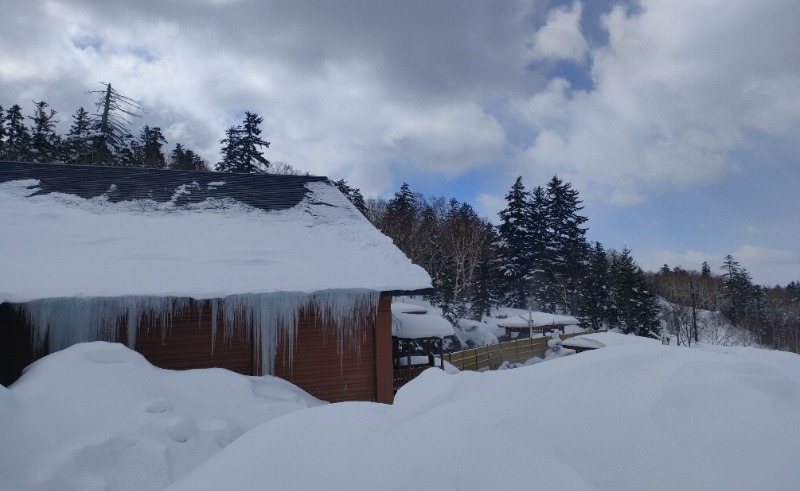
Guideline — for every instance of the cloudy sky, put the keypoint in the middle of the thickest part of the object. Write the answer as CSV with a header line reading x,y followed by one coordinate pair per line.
x,y
677,120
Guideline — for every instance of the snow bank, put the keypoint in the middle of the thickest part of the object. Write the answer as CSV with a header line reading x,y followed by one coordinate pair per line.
x,y
98,416
632,416
213,249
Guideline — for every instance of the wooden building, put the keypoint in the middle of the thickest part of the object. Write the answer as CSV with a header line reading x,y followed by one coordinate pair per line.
x,y
256,273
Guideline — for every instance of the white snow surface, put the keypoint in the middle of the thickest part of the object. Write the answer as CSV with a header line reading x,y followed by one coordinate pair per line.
x,y
632,415
98,416
627,417
415,326
59,245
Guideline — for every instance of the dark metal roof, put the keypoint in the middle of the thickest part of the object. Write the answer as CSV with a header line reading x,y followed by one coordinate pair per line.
x,y
264,191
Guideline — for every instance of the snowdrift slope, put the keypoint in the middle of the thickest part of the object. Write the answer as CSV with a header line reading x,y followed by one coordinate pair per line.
x,y
629,416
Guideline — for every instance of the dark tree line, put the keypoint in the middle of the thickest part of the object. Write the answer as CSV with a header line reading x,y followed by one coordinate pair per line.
x,y
103,137
537,256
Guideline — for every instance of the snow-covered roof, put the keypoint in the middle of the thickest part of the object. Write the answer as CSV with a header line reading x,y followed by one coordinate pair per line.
x,y
199,241
416,326
537,319
407,308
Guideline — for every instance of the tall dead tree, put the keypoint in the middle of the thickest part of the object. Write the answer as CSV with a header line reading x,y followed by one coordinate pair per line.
x,y
110,124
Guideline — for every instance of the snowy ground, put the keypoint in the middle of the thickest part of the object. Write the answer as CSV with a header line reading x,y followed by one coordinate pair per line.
x,y
632,415
98,416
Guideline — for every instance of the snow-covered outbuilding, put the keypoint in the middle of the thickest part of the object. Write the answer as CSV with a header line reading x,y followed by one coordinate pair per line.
x,y
256,273
416,337
536,322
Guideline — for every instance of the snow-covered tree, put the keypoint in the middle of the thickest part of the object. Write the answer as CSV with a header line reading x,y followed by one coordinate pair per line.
x,y
514,253
634,306
595,299
564,262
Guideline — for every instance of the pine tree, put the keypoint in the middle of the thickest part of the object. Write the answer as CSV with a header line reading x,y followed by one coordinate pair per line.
x,y
705,270
537,240
45,142
352,194
18,138
635,308
483,289
514,255
401,219
77,147
595,303
147,150
566,244
241,147
736,286
2,133
183,159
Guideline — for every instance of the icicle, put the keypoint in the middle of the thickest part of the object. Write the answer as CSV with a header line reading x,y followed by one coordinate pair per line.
x,y
347,314
67,321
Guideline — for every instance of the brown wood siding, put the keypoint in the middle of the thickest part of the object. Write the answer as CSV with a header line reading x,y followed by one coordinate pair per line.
x,y
16,347
384,387
321,369
187,343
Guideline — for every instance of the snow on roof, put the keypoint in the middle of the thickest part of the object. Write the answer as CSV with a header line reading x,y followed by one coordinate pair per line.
x,y
64,245
537,319
603,339
415,326
400,307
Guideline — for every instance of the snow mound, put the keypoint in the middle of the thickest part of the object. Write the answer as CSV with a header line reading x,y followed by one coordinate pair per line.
x,y
627,417
98,416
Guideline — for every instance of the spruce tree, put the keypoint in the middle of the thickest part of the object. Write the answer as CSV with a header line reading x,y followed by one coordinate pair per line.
x,y
147,150
566,244
537,240
514,257
401,219
183,159
77,146
45,142
595,302
483,289
2,133
352,194
18,138
241,147
635,307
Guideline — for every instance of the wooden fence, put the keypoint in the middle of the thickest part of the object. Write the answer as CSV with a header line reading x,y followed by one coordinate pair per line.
x,y
492,356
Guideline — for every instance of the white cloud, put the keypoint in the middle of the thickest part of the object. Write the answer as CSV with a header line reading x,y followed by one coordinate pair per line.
x,y
560,38
677,94
450,139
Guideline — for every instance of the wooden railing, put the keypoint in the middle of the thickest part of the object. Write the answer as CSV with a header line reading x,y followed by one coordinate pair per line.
x,y
492,356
